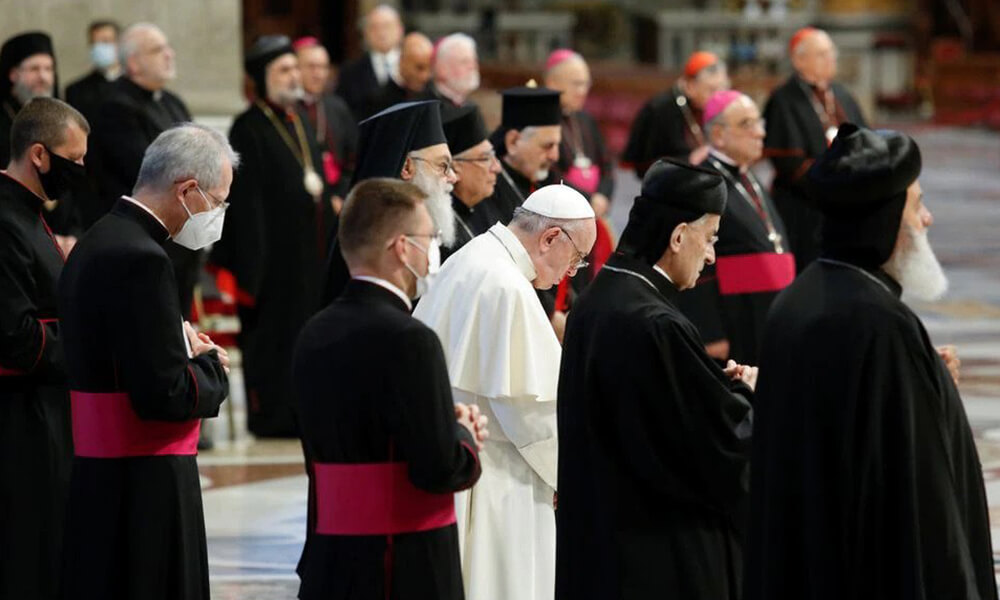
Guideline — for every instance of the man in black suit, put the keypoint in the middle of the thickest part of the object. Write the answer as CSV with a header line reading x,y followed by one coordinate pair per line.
x,y
361,78
87,93
137,111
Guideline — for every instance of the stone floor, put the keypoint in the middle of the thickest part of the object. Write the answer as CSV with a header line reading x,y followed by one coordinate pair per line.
x,y
255,491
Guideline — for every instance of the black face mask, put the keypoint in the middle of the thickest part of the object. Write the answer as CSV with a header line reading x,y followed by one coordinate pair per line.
x,y
64,176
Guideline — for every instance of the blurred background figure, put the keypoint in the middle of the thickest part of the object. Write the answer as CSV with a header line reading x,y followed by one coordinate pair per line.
x,y
330,117
87,93
456,70
361,78
669,125
803,116
27,70
410,83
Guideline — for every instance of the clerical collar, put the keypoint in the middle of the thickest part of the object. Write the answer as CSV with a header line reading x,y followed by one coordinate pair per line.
x,y
31,197
445,92
387,285
514,247
664,273
146,208
725,159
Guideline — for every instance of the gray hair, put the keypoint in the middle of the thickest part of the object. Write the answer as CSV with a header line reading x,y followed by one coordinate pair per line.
x,y
128,44
533,223
187,151
452,42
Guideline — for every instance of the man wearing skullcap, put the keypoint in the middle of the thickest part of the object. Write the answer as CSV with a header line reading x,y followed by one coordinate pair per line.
x,y
404,141
527,143
584,160
27,70
654,437
802,118
752,264
866,480
277,232
503,356
477,168
138,108
669,124
330,117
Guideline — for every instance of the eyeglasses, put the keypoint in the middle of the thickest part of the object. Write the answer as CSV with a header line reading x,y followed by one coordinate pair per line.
x,y
442,168
751,124
581,262
436,236
489,157
214,202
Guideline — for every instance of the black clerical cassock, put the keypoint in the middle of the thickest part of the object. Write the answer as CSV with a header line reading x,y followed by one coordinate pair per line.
x,y
336,135
522,107
135,527
801,121
36,446
126,124
866,481
385,140
667,125
752,264
464,128
275,241
385,453
654,438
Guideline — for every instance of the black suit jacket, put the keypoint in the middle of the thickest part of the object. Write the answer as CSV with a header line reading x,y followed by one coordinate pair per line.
x,y
357,85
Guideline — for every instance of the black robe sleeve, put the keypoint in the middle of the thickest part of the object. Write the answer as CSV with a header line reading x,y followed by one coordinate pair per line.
x,y
162,382
26,344
702,306
785,144
440,453
243,245
683,406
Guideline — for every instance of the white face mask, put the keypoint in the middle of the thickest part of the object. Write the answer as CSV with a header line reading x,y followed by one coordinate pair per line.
x,y
433,252
203,228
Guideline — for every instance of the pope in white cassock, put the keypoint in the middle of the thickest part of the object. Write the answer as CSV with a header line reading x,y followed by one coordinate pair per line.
x,y
503,355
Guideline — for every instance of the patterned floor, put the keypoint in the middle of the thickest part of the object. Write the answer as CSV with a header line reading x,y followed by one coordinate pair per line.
x,y
255,491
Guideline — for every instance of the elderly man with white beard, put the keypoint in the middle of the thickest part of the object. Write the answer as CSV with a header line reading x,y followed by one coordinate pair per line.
x,y
455,72
405,141
866,481
503,356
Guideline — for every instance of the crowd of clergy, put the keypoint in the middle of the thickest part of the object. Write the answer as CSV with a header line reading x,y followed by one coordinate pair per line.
x,y
496,399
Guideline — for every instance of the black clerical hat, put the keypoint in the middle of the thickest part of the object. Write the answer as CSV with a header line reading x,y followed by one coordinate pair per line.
x,y
464,128
860,184
264,50
530,107
673,192
18,48
387,137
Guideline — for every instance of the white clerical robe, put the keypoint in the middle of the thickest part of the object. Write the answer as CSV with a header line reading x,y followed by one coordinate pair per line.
x,y
502,355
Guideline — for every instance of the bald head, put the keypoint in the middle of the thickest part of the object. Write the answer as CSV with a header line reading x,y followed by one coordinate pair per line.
x,y
571,77
815,58
415,61
383,29
147,56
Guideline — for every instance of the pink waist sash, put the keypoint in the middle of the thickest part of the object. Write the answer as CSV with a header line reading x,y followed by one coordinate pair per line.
x,y
750,273
106,426
376,499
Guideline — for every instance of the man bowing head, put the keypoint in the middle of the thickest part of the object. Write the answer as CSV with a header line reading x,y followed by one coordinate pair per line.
x,y
504,356
654,436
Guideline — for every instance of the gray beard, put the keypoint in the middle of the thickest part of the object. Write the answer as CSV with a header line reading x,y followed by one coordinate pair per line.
x,y
917,269
24,94
438,203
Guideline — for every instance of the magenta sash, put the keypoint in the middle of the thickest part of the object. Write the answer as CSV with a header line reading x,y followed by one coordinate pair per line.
x,y
376,499
750,273
585,180
106,426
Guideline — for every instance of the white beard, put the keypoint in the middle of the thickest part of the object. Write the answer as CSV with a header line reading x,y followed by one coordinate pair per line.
x,y
438,203
468,84
917,269
541,175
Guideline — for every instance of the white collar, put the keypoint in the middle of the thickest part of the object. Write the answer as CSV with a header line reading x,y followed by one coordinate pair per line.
x,y
387,285
664,273
719,154
146,208
514,247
